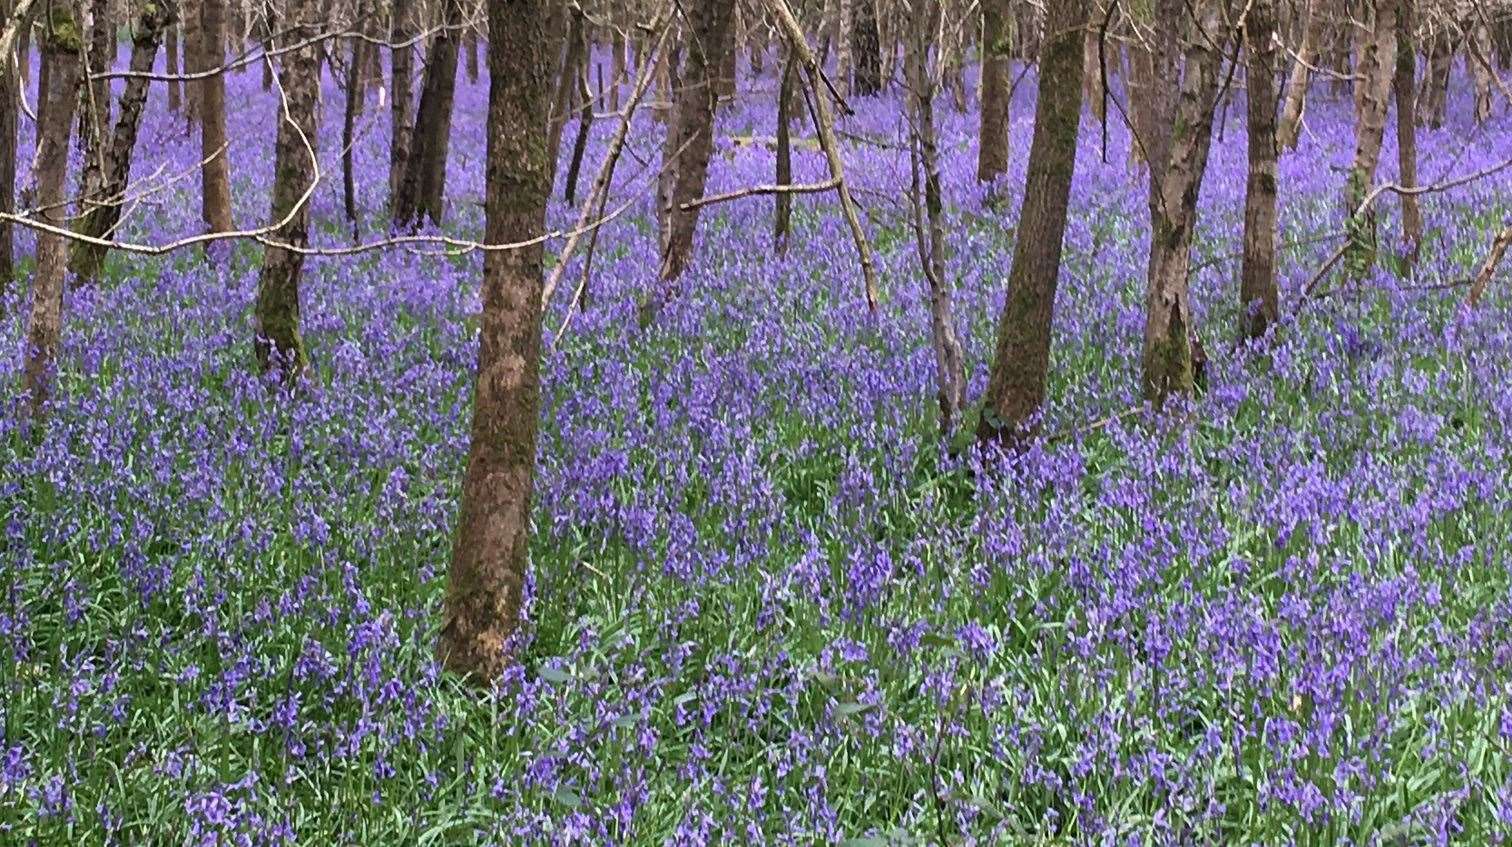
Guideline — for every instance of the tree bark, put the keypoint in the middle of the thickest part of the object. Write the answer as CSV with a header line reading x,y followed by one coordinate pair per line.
x,y
216,171
111,181
422,191
1480,71
62,56
580,140
492,547
1021,359
193,62
929,223
1259,301
997,46
401,59
694,130
9,109
1376,67
94,117
1405,85
782,213
1436,85
574,55
1183,137
866,49
171,59
351,108
844,26
279,344
1289,130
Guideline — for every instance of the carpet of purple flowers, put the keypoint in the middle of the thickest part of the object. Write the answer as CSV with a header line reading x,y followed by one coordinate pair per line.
x,y
765,608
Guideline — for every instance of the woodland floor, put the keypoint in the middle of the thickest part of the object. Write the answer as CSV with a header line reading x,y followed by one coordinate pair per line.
x,y
766,606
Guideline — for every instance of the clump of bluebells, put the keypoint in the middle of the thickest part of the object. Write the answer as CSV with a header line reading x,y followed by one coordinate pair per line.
x,y
767,604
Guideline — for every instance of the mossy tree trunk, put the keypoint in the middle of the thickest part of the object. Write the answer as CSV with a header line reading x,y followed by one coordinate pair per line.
x,y
1259,301
491,551
1021,358
997,46
62,58
279,344
1183,138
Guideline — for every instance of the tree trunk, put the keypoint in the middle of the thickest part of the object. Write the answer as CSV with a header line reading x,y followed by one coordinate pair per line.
x,y
1178,162
844,26
62,55
1405,85
1289,130
193,62
997,46
1259,301
1377,68
574,56
1021,360
1436,86
1093,67
9,108
492,547
1480,69
216,171
112,180
866,49
783,210
401,84
171,57
94,117
579,141
694,130
352,107
422,192
471,40
929,220
269,26
278,344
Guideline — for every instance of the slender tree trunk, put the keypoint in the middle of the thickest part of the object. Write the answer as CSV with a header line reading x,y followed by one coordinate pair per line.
x,y
279,344
1480,69
422,192
171,57
193,62
997,46
1436,86
1405,85
1259,301
1093,66
62,56
866,49
94,118
401,58
574,55
471,43
929,224
1178,162
580,140
269,26
216,171
694,131
492,547
1021,360
9,109
1377,68
844,25
103,216
783,210
352,107
1289,130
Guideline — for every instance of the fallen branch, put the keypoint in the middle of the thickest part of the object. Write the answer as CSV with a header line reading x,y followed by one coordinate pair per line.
x,y
1493,259
763,190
